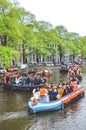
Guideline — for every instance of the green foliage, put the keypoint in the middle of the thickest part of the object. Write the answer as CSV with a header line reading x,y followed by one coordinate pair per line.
x,y
61,31
5,6
7,55
19,27
72,43
82,46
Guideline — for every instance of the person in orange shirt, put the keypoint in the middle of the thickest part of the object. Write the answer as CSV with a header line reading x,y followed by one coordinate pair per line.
x,y
60,90
44,97
75,86
4,79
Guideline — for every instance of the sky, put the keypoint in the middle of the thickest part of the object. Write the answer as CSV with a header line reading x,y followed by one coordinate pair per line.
x,y
69,13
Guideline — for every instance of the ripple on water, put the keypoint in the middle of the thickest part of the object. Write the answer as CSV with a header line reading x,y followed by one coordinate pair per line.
x,y
72,118
12,115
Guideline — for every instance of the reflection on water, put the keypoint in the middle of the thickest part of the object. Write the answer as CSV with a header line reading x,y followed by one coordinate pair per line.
x,y
57,77
14,114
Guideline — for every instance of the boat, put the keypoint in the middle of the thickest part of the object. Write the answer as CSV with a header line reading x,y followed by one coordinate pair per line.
x,y
63,71
33,71
46,73
21,88
56,104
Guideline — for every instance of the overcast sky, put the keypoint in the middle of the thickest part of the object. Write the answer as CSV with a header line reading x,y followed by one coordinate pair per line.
x,y
69,13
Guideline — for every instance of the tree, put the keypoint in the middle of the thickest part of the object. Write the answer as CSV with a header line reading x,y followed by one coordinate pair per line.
x,y
72,44
82,47
7,55
61,33
47,38
9,30
27,29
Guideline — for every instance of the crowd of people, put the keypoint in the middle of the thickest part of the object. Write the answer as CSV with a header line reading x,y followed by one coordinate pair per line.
x,y
51,92
74,70
24,80
48,92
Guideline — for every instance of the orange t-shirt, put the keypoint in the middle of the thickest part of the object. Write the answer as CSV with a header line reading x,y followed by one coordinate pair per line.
x,y
75,87
43,91
4,80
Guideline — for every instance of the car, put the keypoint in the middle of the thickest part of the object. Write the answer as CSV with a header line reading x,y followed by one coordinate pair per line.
x,y
12,69
2,70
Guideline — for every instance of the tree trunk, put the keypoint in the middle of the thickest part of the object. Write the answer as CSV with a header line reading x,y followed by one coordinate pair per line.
x,y
73,57
3,40
23,49
60,52
61,57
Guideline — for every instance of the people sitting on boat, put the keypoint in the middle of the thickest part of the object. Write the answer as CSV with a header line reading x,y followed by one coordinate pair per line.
x,y
44,97
75,86
18,80
67,89
58,96
28,80
64,89
44,79
60,90
79,74
76,79
50,90
36,89
71,73
36,95
34,100
54,93
25,80
36,80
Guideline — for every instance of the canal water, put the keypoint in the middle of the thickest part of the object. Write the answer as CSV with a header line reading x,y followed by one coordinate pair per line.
x,y
14,113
